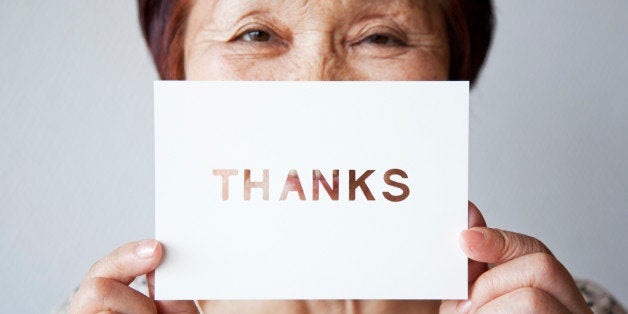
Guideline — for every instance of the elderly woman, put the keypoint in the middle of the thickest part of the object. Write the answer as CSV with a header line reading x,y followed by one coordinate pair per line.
x,y
335,40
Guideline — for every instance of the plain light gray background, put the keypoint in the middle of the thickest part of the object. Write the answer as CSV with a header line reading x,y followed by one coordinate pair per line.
x,y
549,130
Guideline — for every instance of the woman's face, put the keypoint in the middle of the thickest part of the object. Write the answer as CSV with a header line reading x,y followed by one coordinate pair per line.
x,y
316,40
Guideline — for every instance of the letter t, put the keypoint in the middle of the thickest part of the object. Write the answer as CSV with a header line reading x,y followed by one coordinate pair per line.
x,y
225,174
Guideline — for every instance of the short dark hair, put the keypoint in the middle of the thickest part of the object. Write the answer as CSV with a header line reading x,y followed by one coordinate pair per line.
x,y
470,26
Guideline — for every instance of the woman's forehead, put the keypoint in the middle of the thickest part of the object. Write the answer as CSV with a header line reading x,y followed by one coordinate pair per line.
x,y
217,14
316,3
224,10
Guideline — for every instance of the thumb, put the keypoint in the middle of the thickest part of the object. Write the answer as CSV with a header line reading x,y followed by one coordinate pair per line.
x,y
179,306
475,220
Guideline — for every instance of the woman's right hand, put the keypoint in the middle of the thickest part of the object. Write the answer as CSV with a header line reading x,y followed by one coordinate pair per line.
x,y
106,286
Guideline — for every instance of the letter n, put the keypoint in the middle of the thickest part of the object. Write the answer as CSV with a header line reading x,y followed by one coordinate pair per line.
x,y
319,179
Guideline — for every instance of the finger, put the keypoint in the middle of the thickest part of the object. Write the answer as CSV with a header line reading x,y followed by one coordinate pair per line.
x,y
539,270
183,307
498,246
454,306
476,269
106,295
127,262
475,220
524,300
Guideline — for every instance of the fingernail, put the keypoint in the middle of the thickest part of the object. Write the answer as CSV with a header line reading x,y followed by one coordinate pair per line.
x,y
146,249
474,238
463,306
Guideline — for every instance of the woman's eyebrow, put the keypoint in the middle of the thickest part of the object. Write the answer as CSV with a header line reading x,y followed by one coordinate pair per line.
x,y
228,13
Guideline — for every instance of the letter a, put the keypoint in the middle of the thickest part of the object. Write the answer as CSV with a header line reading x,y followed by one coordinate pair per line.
x,y
292,184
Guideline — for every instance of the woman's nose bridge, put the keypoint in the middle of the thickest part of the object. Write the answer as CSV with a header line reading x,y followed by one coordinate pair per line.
x,y
321,67
319,61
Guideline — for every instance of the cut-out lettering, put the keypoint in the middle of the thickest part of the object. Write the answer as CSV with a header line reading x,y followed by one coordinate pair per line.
x,y
405,190
293,183
248,185
319,179
225,174
360,183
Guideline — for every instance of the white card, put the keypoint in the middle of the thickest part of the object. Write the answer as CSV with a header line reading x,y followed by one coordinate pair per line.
x,y
376,235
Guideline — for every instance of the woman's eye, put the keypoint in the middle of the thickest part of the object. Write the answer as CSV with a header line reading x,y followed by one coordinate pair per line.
x,y
384,40
255,36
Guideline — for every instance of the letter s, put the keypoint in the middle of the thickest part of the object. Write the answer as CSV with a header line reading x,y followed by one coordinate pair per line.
x,y
404,188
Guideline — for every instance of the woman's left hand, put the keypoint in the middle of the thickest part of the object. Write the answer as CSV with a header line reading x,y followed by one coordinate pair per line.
x,y
526,277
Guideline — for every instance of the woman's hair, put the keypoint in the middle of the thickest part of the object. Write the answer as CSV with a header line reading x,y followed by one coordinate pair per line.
x,y
469,26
